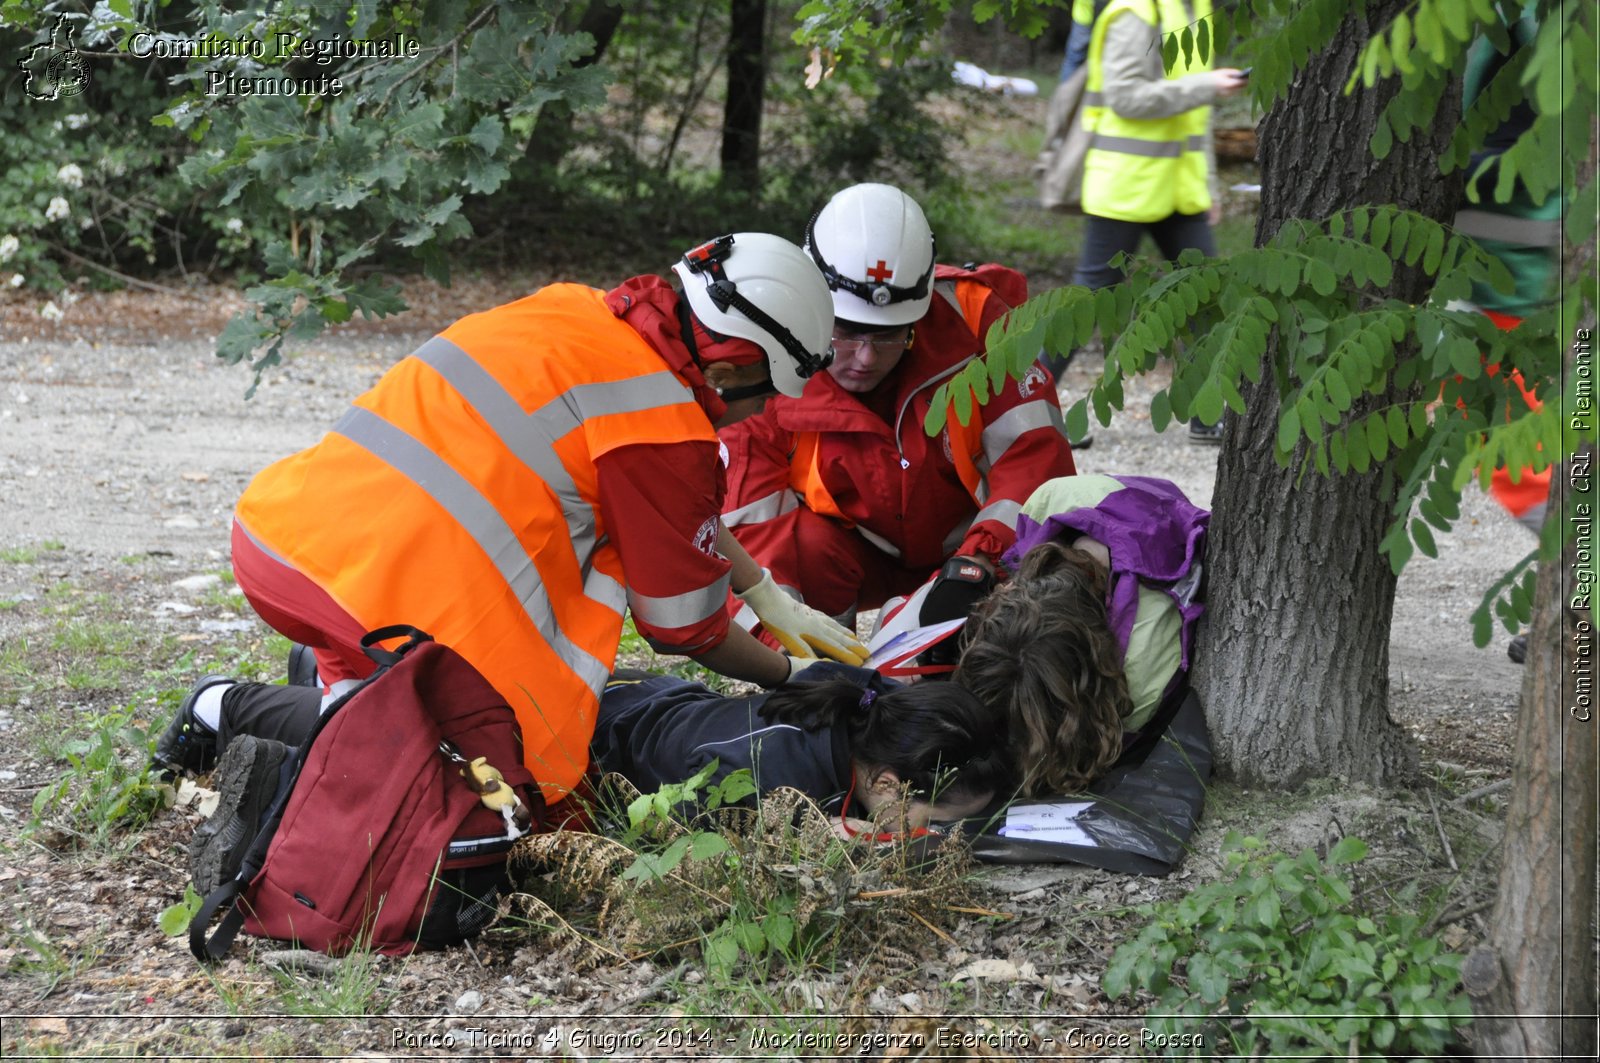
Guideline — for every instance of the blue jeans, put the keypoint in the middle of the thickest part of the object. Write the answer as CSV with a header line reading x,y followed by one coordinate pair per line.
x,y
1104,237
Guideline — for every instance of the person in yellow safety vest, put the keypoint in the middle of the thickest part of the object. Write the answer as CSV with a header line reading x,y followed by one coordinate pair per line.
x,y
1150,166
840,492
524,479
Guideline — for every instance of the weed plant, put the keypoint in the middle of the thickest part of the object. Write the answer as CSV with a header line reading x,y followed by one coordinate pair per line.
x,y
749,885
100,795
1282,960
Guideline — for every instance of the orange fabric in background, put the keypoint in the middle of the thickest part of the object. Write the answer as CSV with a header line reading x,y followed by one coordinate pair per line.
x,y
1532,488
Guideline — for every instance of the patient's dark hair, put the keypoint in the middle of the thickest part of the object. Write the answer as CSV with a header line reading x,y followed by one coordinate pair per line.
x,y
1040,652
942,742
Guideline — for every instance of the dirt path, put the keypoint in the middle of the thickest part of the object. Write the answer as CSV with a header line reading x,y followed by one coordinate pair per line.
x,y
119,466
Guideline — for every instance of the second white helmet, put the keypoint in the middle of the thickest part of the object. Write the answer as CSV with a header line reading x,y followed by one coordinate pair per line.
x,y
763,288
874,247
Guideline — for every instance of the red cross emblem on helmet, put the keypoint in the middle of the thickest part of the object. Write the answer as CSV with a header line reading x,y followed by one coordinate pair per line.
x,y
881,272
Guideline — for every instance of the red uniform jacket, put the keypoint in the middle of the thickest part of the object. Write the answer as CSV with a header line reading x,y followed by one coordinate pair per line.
x,y
919,500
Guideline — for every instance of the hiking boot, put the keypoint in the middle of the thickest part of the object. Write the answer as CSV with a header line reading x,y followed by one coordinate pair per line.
x,y
1207,434
302,666
187,746
247,781
1517,649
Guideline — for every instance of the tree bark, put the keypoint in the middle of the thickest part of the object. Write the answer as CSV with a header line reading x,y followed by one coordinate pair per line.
x,y
1533,984
747,75
1527,1006
1293,664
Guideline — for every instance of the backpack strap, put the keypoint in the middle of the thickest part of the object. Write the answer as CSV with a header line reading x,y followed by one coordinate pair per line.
x,y
215,947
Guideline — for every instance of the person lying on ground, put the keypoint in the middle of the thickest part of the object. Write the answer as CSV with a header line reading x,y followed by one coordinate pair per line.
x,y
1095,628
527,477
861,746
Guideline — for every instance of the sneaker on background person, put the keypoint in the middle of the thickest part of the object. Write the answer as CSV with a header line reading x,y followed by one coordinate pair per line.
x,y
189,744
1205,434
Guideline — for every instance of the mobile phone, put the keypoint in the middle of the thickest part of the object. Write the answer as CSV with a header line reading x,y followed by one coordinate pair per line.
x,y
1245,73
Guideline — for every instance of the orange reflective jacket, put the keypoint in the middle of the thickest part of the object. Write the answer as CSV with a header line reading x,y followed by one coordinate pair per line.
x,y
459,496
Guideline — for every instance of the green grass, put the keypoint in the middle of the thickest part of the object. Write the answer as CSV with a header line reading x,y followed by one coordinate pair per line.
x,y
27,555
44,961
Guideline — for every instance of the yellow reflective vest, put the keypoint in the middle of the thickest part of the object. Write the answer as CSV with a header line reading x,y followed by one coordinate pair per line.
x,y
1145,169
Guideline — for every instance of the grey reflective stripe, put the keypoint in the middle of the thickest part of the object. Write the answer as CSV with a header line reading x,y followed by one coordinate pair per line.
x,y
480,520
1527,232
879,541
680,610
263,547
948,290
531,437
1005,511
762,509
1008,428
958,533
1196,142
1154,149
634,395
1094,99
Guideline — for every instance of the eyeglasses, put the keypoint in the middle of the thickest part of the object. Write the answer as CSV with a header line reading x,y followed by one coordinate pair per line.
x,y
883,347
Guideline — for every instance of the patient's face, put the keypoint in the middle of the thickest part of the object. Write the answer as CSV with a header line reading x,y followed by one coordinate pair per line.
x,y
900,812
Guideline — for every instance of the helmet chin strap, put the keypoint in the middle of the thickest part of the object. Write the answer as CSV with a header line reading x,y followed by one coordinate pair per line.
x,y
707,260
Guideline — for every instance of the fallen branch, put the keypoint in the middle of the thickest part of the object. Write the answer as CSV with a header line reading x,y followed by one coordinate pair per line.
x,y
946,938
123,277
1482,791
1443,838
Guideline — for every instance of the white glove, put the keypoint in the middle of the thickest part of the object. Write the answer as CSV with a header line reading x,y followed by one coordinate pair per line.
x,y
802,630
800,664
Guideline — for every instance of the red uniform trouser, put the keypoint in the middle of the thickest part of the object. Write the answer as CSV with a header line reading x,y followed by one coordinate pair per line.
x,y
299,610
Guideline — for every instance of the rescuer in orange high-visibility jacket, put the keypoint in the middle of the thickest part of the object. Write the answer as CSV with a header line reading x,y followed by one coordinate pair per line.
x,y
533,471
840,492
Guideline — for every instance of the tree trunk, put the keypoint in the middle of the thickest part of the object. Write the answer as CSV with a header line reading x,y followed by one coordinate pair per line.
x,y
1533,983
1529,1007
1293,664
747,74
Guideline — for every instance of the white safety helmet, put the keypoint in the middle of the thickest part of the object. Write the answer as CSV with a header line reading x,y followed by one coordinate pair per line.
x,y
763,288
875,250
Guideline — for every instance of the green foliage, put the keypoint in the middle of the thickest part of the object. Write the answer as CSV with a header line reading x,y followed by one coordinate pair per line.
x,y
742,932
1344,349
45,961
1281,960
69,188
848,31
175,918
99,793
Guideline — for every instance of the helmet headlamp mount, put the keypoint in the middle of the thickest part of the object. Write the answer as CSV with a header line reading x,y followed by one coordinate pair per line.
x,y
706,260
877,292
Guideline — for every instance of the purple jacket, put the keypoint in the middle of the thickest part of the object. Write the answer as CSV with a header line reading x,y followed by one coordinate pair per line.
x,y
1156,537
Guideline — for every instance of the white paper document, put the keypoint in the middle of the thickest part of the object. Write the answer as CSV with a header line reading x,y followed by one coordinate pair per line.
x,y
1050,821
890,648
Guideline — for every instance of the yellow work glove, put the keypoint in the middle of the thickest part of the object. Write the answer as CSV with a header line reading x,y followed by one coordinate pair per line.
x,y
801,630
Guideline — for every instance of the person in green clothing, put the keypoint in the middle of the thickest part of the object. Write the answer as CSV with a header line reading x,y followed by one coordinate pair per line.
x,y
1094,630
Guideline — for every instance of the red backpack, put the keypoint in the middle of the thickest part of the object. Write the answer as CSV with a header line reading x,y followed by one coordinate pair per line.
x,y
375,838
